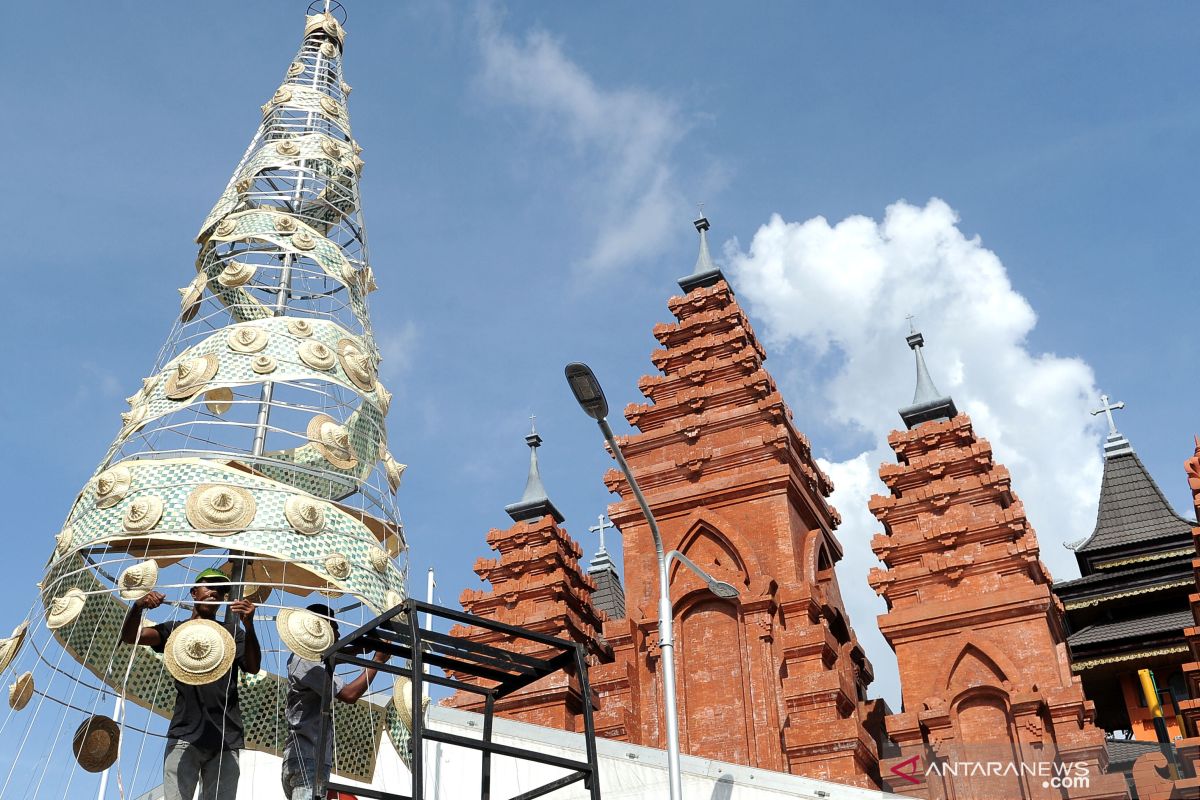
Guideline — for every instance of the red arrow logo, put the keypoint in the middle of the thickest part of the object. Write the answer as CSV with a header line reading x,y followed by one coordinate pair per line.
x,y
907,769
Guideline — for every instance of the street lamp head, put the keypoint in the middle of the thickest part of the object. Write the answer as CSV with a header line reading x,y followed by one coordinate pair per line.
x,y
723,589
587,390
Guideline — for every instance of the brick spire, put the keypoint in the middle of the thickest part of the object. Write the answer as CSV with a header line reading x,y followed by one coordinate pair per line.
x,y
1147,772
774,678
978,635
536,583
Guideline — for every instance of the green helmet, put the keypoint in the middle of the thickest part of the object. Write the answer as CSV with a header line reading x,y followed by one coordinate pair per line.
x,y
212,575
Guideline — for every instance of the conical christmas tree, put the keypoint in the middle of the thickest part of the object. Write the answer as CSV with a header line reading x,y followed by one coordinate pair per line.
x,y
256,445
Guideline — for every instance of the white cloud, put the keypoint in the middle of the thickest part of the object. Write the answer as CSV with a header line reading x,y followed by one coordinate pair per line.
x,y
621,141
837,296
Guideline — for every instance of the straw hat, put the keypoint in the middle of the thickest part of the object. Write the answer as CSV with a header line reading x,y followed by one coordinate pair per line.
x,y
379,559
65,608
304,241
143,513
62,542
402,697
394,471
358,365
96,743
304,514
300,327
190,375
138,580
111,486
331,149
220,508
219,400
247,339
316,354
305,633
132,419
337,565
199,651
332,441
190,296
236,273
263,364
384,397
20,692
10,646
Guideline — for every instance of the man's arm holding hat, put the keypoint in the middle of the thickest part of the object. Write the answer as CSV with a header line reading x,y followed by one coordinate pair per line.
x,y
252,654
132,631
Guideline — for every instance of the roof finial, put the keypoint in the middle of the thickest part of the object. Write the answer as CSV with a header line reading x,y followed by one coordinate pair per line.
x,y
705,273
534,504
928,403
599,528
1115,444
1106,409
602,562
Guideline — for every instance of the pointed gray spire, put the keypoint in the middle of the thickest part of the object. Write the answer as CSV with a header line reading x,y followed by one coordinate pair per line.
x,y
609,596
928,403
705,273
534,504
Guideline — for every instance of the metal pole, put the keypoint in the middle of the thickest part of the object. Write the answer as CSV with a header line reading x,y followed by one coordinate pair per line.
x,y
430,585
666,627
104,775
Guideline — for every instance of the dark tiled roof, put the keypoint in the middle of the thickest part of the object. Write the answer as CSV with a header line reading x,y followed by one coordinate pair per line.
x,y
1132,629
1123,752
1167,569
1132,508
609,596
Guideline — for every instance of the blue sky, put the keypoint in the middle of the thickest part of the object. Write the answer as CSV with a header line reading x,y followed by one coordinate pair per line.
x,y
531,175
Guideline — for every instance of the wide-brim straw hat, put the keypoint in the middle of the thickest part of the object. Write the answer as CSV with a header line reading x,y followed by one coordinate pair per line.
x,y
96,743
199,651
333,441
112,484
191,375
220,508
65,608
402,698
10,646
306,634
219,400
21,691
357,364
305,514
138,580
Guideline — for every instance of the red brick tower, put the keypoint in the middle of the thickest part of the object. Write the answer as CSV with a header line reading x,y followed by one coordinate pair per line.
x,y
536,584
978,635
1152,774
776,678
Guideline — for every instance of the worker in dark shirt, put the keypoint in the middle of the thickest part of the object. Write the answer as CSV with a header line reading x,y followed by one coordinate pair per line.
x,y
308,683
205,734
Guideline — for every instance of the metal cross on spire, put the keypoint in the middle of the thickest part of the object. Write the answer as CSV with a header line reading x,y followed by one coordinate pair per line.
x,y
1106,409
599,528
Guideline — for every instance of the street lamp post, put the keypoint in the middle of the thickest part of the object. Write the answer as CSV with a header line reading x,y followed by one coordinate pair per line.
x,y
590,396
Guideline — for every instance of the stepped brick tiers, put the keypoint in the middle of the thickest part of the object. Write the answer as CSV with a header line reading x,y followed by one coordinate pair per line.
x,y
536,584
978,635
1151,773
1129,609
776,678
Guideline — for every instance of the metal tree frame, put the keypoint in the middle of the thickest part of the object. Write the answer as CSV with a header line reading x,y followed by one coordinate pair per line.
x,y
398,632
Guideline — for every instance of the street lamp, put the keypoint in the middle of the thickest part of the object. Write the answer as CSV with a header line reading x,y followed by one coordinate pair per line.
x,y
590,396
